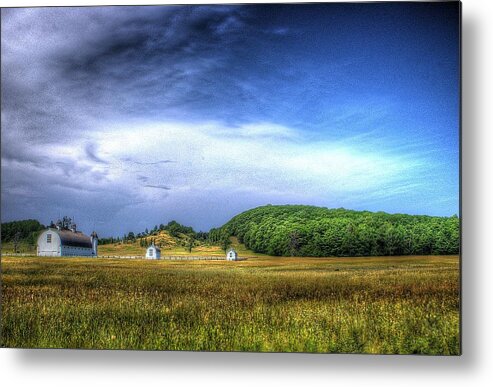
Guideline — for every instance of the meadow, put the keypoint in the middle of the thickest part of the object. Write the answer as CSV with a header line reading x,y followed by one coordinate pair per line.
x,y
388,305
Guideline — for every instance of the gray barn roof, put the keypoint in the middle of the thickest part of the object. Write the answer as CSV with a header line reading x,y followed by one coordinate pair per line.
x,y
75,239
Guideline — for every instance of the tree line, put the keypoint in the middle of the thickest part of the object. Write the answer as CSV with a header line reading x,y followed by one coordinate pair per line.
x,y
174,229
25,230
296,230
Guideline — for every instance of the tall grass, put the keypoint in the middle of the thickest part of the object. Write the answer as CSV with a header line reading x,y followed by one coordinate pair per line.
x,y
352,305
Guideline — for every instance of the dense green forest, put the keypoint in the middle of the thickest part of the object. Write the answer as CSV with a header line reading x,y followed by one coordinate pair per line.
x,y
21,230
296,230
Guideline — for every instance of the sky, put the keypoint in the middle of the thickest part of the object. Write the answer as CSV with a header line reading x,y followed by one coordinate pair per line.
x,y
128,117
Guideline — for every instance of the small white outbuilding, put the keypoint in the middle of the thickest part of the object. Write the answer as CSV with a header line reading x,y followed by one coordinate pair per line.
x,y
231,255
153,252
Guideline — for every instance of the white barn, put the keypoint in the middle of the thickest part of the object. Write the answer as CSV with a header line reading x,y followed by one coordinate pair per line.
x,y
153,252
57,242
231,255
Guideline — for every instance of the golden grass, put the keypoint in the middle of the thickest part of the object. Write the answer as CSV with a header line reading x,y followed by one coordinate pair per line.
x,y
345,305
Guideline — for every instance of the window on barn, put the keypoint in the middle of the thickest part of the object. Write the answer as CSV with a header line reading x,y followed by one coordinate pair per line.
x,y
150,252
48,238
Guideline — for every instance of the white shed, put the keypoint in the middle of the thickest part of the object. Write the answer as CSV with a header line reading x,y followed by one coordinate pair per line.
x,y
153,252
231,255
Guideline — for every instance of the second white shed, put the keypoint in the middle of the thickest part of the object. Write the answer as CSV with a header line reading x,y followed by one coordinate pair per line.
x,y
231,255
153,252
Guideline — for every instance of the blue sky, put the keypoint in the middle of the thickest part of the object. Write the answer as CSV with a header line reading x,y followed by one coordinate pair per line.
x,y
127,117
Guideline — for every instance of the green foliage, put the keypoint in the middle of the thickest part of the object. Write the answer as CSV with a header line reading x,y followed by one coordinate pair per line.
x,y
202,236
174,228
26,230
385,305
225,243
315,231
190,242
107,241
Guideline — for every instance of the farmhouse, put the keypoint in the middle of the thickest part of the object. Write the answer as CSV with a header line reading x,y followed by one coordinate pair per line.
x,y
231,255
153,252
60,242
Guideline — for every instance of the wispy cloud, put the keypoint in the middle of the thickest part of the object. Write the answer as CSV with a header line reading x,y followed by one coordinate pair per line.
x,y
157,186
151,162
90,150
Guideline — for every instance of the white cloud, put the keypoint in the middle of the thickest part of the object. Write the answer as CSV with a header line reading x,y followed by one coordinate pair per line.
x,y
253,158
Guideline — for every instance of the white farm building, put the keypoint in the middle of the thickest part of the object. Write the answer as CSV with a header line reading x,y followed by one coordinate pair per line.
x,y
153,252
231,255
58,242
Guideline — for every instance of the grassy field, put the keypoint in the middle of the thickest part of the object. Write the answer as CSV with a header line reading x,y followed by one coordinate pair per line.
x,y
350,305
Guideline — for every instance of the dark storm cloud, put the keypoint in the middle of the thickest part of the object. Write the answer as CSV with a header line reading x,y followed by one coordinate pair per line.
x,y
63,67
152,63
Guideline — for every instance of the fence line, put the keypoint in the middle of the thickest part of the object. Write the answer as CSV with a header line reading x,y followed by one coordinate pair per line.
x,y
19,255
167,257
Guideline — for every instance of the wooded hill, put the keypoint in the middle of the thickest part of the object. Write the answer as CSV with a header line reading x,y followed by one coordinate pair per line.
x,y
297,230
